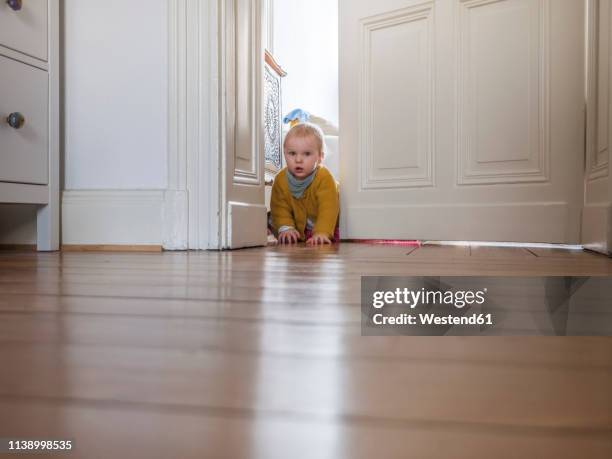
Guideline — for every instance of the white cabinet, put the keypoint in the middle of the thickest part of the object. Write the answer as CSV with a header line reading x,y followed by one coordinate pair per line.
x,y
24,94
24,27
29,111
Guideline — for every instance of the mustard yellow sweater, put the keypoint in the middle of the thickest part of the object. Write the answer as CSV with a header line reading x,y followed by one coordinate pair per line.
x,y
319,203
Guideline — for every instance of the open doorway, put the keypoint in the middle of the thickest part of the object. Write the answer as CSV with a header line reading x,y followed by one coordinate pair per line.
x,y
302,41
460,121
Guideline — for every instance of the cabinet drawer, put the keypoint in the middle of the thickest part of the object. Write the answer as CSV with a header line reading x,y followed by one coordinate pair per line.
x,y
24,151
25,30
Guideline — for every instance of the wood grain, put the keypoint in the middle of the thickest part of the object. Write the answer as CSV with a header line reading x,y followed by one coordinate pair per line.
x,y
17,247
110,248
259,353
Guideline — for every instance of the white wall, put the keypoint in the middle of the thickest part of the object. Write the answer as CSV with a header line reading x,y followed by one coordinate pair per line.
x,y
306,46
116,94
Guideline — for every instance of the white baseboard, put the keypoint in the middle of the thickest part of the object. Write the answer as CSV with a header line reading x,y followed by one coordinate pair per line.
x,y
112,217
175,219
552,222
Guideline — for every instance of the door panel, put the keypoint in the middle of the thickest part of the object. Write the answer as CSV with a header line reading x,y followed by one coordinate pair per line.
x,y
462,120
246,129
397,91
503,92
244,207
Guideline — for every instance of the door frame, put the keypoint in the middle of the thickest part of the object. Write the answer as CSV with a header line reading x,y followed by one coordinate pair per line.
x,y
597,210
192,199
191,214
197,212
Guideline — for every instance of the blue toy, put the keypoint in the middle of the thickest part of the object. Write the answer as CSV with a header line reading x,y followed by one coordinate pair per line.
x,y
296,116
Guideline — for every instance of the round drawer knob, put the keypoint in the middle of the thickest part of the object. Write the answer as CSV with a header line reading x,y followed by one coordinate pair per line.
x,y
16,120
15,4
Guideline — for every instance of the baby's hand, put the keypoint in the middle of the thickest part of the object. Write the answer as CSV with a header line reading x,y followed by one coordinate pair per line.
x,y
289,237
318,238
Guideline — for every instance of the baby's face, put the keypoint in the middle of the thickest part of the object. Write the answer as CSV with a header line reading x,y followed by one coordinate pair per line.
x,y
302,155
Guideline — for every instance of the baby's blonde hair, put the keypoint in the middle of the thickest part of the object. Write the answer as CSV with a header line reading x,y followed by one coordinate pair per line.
x,y
306,130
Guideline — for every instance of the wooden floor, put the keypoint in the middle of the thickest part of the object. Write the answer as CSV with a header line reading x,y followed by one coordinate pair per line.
x,y
257,353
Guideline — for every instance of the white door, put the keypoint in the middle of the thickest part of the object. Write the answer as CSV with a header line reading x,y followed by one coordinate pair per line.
x,y
243,187
597,215
462,119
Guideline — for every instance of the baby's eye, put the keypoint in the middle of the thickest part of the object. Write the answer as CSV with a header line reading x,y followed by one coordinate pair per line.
x,y
307,153
291,153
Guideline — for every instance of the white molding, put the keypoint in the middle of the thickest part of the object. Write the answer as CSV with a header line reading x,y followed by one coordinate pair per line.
x,y
548,221
594,168
177,152
190,212
252,173
48,217
601,157
424,177
596,231
592,43
175,220
536,173
112,217
269,25
222,71
205,161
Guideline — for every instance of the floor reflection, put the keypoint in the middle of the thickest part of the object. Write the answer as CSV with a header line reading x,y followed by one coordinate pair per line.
x,y
311,378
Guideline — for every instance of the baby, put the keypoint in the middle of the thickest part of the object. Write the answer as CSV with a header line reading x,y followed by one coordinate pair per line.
x,y
305,204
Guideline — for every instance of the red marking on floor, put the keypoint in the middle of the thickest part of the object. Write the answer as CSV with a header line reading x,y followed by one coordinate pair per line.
x,y
409,243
